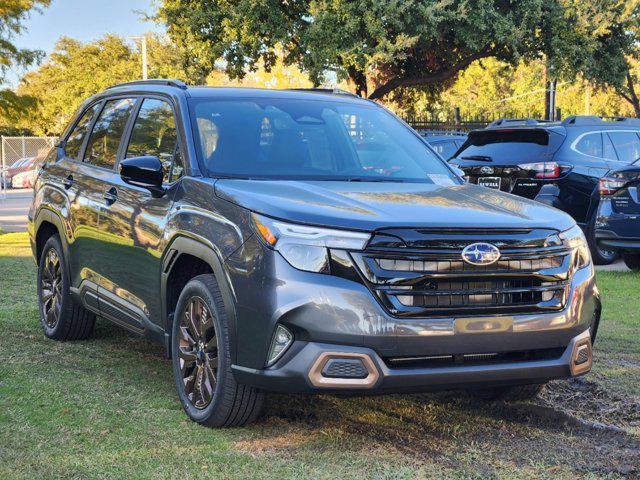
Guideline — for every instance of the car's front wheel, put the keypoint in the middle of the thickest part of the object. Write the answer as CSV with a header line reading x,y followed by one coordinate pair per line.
x,y
632,260
202,360
600,255
62,318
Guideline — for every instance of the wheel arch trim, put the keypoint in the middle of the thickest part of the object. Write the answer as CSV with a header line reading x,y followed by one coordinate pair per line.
x,y
187,243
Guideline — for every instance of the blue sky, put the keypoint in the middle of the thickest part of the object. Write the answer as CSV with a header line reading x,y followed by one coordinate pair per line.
x,y
83,20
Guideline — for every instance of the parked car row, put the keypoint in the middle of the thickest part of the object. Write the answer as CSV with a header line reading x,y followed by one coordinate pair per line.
x,y
22,173
569,165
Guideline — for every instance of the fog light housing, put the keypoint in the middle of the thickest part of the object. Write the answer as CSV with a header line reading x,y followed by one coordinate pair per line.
x,y
282,339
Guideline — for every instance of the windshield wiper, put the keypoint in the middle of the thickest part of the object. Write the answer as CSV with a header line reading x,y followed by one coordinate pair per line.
x,y
480,158
368,179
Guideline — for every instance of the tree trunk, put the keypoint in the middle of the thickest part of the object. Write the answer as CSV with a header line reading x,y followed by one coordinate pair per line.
x,y
633,97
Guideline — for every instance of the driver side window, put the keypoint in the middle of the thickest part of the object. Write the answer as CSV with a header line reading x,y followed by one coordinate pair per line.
x,y
154,133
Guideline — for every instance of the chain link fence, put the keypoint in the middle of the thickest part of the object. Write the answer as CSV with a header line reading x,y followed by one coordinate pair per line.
x,y
13,149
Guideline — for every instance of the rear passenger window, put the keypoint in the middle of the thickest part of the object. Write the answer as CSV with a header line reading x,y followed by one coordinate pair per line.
x,y
107,132
76,137
154,133
590,144
627,145
608,152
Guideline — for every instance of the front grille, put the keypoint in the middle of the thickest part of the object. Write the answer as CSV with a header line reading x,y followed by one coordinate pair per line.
x,y
423,274
434,361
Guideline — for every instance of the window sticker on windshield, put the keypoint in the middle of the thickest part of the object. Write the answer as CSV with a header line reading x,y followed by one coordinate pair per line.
x,y
440,179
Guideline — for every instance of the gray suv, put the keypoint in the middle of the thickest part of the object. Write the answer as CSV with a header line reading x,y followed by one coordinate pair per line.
x,y
301,241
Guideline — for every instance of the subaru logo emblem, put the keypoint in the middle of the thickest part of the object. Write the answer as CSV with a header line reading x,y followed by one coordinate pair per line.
x,y
486,170
480,254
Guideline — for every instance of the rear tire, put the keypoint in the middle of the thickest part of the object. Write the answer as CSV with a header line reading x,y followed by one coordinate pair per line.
x,y
599,255
510,394
62,318
632,260
201,357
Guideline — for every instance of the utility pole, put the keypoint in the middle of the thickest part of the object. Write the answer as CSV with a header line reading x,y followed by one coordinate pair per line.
x,y
143,51
550,93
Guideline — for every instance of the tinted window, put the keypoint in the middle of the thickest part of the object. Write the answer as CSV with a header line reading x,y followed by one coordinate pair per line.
x,y
446,148
590,144
107,132
627,145
608,151
312,139
154,133
76,137
513,145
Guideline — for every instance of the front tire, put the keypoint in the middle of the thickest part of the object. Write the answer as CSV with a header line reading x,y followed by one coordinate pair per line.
x,y
632,260
600,256
62,318
202,360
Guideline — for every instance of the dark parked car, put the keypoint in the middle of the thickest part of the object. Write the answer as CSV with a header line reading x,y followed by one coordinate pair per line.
x,y
520,156
445,143
301,242
618,221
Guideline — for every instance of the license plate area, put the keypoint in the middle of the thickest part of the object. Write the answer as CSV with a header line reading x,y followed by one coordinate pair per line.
x,y
490,182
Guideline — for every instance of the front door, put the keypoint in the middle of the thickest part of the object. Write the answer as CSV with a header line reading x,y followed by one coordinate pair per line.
x,y
136,221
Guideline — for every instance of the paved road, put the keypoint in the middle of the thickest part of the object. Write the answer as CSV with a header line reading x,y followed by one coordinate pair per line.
x,y
13,218
14,208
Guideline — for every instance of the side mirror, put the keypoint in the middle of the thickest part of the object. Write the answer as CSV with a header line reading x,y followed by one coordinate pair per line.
x,y
143,172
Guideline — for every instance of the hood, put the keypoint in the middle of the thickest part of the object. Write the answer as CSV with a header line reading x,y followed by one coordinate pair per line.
x,y
372,205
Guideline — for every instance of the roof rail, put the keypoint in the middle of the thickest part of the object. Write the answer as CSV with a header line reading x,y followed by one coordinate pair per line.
x,y
594,120
502,122
154,81
331,91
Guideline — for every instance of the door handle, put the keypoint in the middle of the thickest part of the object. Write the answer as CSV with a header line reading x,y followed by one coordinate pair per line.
x,y
110,196
68,182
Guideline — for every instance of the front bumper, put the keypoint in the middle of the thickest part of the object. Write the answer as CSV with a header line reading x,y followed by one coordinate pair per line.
x,y
300,373
328,313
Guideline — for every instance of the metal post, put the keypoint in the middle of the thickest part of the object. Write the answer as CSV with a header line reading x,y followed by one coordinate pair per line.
x,y
143,51
558,116
144,57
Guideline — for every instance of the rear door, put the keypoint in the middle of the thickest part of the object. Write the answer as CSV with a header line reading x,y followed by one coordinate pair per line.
x,y
136,219
97,169
73,178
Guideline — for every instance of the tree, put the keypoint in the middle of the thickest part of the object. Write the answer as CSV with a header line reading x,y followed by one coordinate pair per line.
x,y
13,13
78,70
379,45
614,61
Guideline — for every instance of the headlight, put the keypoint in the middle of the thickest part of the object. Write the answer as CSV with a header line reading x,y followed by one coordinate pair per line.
x,y
574,238
304,247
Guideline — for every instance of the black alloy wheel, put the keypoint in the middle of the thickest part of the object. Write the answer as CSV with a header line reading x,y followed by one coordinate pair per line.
x,y
201,359
51,288
198,353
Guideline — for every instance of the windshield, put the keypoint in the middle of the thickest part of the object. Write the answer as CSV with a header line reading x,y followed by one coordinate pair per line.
x,y
311,139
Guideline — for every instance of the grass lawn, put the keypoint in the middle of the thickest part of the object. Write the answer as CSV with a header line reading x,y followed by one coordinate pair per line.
x,y
106,408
